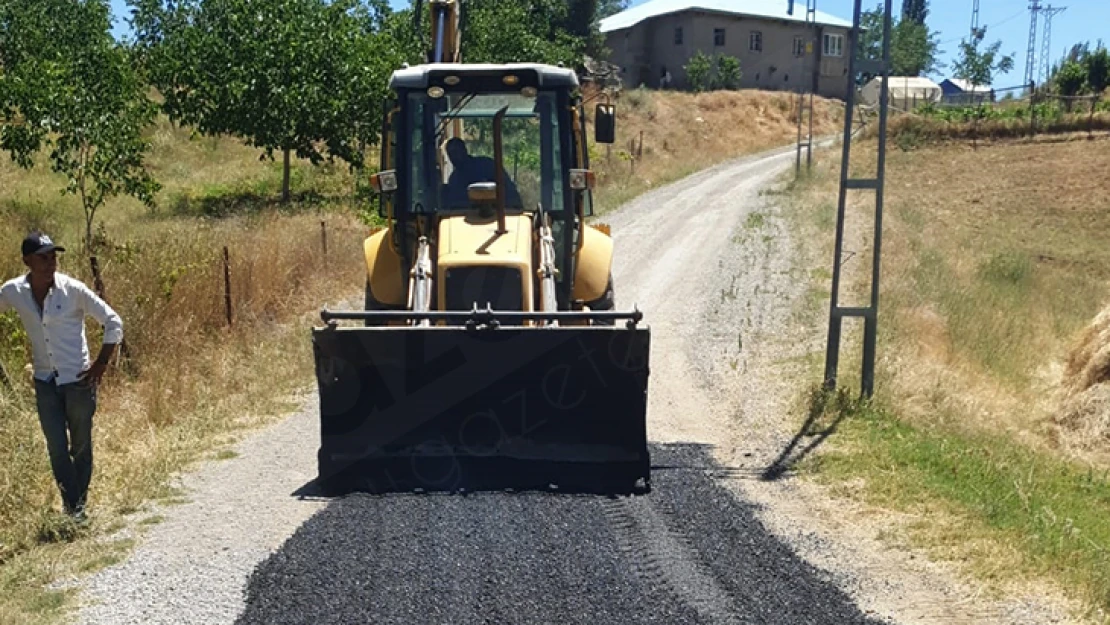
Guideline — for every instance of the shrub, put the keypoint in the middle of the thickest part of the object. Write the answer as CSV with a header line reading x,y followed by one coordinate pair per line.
x,y
698,71
728,72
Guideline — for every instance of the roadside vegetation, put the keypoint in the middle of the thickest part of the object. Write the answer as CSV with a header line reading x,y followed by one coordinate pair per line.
x,y
932,124
989,433
664,136
198,171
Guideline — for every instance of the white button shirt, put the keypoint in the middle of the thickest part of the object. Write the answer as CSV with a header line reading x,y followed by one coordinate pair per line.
x,y
58,330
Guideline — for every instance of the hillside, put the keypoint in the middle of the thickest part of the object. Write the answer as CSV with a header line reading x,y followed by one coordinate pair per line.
x,y
193,383
681,133
989,432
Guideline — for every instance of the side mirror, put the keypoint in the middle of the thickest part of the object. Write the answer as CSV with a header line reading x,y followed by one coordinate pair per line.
x,y
605,123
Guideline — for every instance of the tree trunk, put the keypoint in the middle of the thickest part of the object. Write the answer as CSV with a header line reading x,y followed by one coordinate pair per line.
x,y
285,178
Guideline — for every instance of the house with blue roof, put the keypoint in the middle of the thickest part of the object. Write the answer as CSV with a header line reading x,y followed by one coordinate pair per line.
x,y
653,41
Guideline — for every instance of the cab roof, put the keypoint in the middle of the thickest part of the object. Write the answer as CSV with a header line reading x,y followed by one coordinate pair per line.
x,y
424,76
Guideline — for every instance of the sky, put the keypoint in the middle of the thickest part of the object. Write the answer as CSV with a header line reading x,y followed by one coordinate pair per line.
x,y
1005,20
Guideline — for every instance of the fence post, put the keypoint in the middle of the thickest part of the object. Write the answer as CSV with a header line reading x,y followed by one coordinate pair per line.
x,y
324,236
632,156
5,379
640,150
227,284
1032,110
1091,118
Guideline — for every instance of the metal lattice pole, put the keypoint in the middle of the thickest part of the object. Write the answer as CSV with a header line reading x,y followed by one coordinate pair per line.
x,y
869,314
1046,41
1031,54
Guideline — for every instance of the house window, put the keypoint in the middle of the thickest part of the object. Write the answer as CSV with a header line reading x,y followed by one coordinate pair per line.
x,y
834,45
718,36
799,46
678,36
755,41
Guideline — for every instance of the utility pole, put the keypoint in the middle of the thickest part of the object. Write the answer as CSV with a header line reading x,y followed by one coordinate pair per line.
x,y
869,313
974,18
806,91
1046,43
1031,54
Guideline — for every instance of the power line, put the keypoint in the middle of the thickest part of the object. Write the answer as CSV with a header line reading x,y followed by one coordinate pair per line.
x,y
995,24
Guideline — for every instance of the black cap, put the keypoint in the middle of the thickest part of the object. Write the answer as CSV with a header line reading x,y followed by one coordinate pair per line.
x,y
39,243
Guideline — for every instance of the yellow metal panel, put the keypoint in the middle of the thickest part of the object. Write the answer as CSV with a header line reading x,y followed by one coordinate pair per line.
x,y
469,240
383,267
595,260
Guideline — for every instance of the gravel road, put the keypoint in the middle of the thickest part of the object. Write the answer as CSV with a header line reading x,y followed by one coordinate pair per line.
x,y
712,543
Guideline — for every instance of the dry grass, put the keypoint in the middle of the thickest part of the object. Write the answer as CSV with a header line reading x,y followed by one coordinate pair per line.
x,y
994,262
190,384
684,133
994,265
1085,414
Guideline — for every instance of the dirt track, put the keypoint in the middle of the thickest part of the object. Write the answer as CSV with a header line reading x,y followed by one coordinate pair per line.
x,y
713,542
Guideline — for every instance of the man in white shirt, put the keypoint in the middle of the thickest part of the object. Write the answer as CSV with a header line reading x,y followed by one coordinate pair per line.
x,y
53,307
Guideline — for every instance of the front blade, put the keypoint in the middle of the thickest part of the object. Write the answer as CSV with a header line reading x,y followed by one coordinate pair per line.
x,y
442,408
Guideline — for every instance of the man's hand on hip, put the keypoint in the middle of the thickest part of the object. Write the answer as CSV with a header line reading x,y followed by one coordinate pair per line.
x,y
96,371
93,374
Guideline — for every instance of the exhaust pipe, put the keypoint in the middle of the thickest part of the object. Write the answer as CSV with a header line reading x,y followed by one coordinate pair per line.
x,y
499,169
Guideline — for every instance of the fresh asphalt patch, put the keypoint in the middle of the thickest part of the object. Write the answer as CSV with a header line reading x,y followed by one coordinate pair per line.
x,y
687,552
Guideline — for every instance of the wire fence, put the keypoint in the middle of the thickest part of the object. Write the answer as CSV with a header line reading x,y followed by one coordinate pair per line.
x,y
1020,110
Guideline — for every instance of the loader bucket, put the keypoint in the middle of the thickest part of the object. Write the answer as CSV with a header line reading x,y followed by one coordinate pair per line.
x,y
442,408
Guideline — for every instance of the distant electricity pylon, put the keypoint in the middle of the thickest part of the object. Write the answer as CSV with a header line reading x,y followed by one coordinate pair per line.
x,y
974,18
1031,54
1046,43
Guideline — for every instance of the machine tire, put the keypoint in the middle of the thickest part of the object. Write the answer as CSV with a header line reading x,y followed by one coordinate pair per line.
x,y
606,302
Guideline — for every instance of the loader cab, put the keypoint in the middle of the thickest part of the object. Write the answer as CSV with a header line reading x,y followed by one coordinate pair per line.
x,y
438,156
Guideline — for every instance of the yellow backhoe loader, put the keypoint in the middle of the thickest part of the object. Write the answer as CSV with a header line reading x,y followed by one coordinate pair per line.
x,y
489,354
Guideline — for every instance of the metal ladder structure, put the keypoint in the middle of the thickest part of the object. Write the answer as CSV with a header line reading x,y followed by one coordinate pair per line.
x,y
869,314
805,94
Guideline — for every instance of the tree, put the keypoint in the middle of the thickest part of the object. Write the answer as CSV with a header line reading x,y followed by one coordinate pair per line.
x,y
915,11
66,84
914,49
979,67
1098,69
728,73
698,71
1071,78
495,31
606,8
299,76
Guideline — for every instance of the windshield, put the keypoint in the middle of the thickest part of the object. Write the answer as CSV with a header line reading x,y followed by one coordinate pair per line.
x,y
452,148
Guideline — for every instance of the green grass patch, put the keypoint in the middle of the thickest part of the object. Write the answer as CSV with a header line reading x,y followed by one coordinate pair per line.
x,y
1053,513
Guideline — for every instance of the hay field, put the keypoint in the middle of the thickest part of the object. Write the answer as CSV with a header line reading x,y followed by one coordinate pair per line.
x,y
988,433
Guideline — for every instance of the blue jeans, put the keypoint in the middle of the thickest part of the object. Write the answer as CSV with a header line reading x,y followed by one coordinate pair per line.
x,y
65,413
